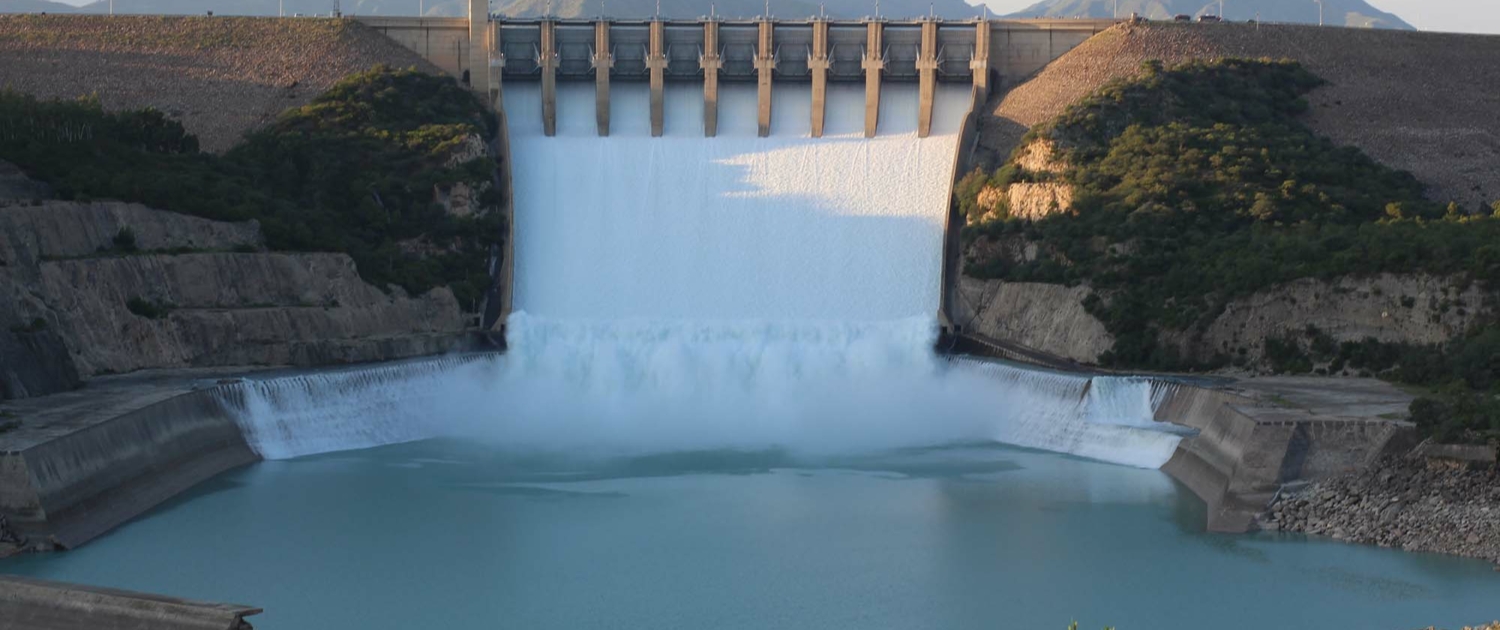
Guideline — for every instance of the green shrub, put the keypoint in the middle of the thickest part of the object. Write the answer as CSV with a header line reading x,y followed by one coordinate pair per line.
x,y
125,240
147,309
35,326
353,172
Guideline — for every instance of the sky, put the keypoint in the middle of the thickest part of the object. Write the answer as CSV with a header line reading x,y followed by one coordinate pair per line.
x,y
1458,16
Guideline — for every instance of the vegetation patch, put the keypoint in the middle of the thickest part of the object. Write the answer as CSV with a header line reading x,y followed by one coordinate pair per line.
x,y
125,240
1195,185
354,172
149,309
35,326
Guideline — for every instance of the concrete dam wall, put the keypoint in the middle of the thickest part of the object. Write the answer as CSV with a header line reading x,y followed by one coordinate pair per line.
x,y
495,51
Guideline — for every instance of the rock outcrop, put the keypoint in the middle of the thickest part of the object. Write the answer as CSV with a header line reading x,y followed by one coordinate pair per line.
x,y
1036,201
108,287
1045,317
1411,308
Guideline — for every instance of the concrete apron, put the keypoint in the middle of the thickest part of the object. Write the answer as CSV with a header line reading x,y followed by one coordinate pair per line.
x,y
1247,449
63,490
44,605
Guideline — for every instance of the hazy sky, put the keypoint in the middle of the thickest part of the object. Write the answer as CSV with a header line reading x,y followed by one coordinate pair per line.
x,y
1459,16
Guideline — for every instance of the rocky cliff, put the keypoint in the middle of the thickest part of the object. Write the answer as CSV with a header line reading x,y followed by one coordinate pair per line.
x,y
107,287
1409,308
1046,317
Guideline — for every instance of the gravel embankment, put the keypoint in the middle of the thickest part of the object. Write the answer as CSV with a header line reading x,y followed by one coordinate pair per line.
x,y
221,76
1405,503
1422,102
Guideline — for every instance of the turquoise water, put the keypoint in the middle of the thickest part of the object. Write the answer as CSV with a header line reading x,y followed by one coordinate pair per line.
x,y
448,534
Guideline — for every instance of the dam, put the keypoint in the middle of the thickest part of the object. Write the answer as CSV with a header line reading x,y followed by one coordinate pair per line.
x,y
719,406
812,52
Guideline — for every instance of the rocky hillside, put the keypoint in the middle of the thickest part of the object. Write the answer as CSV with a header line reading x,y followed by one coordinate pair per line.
x,y
221,77
1352,13
1210,218
1419,102
1406,308
1192,217
107,287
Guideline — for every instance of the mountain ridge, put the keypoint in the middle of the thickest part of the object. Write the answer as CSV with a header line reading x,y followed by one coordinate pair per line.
x,y
947,9
1352,13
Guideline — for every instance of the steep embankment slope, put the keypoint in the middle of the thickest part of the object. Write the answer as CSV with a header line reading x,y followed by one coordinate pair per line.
x,y
1420,102
220,76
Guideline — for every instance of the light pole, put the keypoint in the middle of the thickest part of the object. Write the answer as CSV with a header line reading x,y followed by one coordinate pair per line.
x,y
1320,11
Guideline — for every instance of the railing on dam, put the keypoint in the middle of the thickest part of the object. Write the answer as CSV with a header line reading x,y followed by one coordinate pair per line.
x,y
492,50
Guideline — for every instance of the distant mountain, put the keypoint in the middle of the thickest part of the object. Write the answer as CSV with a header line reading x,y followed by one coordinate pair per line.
x,y
34,6
1356,13
896,9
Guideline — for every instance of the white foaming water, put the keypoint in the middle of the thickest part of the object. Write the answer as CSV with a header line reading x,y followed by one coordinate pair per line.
x,y
1101,417
734,227
360,408
683,293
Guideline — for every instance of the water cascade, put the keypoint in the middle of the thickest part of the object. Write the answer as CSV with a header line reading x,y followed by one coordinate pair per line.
x,y
358,408
683,293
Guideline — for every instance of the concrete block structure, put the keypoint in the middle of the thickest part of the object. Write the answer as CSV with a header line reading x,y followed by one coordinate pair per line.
x,y
983,53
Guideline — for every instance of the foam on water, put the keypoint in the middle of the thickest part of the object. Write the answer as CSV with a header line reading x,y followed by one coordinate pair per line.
x,y
683,293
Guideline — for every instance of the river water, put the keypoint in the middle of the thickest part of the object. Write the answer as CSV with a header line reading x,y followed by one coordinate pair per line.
x,y
451,534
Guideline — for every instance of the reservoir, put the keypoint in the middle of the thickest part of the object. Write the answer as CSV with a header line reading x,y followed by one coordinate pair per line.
x,y
720,408
451,534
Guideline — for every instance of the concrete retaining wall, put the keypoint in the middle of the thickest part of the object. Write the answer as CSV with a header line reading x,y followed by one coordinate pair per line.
x,y
44,605
72,488
1245,450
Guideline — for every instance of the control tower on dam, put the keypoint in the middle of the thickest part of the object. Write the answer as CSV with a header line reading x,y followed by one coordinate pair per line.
x,y
493,50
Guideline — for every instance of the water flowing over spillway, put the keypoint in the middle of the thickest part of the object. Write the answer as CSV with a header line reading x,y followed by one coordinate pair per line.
x,y
683,293
735,227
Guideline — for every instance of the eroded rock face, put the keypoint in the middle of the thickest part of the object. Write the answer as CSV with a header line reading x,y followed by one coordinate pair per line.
x,y
1411,308
225,309
65,229
1045,317
1033,202
461,199
202,294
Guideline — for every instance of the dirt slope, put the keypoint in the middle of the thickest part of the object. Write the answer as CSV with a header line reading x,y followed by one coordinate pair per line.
x,y
220,76
1424,102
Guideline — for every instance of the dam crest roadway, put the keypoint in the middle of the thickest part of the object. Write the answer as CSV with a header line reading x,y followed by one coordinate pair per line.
x,y
494,51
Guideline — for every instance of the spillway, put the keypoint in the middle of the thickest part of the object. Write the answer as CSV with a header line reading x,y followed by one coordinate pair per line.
x,y
682,292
